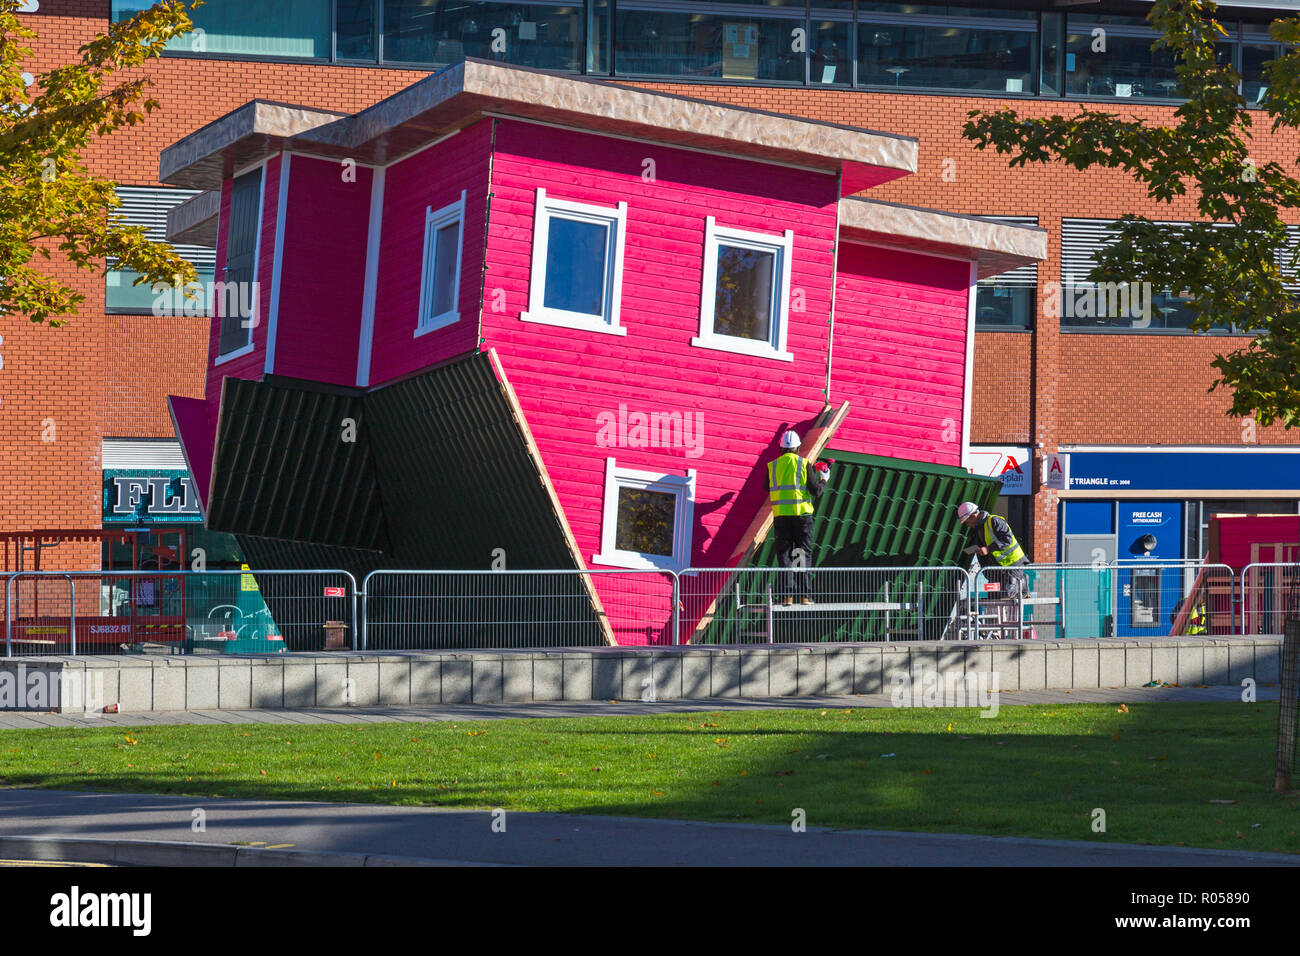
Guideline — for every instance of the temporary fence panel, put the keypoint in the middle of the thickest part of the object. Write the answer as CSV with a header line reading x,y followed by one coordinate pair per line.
x,y
1270,595
1045,602
847,604
182,612
1104,600
429,610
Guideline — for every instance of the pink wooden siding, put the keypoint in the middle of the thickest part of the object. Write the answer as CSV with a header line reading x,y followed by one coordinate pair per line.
x,y
322,272
433,179
567,379
899,353
251,365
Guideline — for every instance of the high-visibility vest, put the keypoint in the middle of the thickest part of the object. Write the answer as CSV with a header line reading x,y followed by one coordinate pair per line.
x,y
1013,552
787,485
1196,622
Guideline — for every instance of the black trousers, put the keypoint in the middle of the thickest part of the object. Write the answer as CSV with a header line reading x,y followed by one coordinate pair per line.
x,y
794,550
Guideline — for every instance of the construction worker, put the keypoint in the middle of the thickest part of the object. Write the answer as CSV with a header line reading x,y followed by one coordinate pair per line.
x,y
793,483
992,541
1196,621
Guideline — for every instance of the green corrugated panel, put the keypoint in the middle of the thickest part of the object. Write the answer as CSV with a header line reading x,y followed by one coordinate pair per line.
x,y
875,512
456,473
459,485
440,477
284,470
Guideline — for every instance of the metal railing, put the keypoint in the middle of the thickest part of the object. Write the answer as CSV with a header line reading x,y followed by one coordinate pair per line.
x,y
525,608
1270,594
767,605
1124,599
230,611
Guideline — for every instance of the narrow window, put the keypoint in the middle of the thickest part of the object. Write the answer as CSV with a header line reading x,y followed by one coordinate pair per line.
x,y
444,232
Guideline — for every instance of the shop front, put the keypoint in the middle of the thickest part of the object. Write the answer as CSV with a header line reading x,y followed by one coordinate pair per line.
x,y
1149,506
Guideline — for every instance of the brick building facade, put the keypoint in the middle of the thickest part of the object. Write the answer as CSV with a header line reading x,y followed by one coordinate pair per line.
x,y
105,376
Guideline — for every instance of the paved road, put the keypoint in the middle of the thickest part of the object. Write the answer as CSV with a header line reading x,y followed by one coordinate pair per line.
x,y
599,708
550,839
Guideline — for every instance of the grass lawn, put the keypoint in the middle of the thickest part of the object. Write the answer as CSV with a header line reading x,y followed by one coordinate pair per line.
x,y
1035,771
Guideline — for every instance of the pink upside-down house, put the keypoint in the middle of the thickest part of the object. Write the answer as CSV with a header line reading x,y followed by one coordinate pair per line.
x,y
510,319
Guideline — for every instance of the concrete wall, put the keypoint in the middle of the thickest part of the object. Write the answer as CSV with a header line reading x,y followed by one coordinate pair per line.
x,y
142,684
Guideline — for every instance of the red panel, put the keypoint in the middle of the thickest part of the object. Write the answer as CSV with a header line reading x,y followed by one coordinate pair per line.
x,y
322,273
899,353
433,179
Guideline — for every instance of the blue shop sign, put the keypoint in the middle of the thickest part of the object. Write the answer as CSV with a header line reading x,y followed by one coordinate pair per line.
x,y
149,496
1190,471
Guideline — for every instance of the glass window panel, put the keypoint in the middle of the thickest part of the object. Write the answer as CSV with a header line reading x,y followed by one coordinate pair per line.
x,y
645,521
946,57
1051,60
598,36
544,35
1007,307
734,46
830,50
120,293
444,268
1253,58
743,303
926,9
576,264
1126,67
355,25
279,28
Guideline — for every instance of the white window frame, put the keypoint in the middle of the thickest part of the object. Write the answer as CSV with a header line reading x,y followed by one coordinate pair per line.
x,y
434,220
783,247
251,345
613,217
683,486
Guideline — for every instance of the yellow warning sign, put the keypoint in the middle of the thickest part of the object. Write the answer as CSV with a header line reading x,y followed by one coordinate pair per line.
x,y
246,581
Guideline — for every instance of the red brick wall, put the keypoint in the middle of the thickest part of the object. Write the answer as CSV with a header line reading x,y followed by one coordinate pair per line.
x,y
107,376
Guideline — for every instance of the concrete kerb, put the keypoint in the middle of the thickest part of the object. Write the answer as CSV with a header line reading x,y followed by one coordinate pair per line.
x,y
177,853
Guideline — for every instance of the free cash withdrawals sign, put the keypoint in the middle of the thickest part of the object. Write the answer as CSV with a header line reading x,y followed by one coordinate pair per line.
x,y
1008,462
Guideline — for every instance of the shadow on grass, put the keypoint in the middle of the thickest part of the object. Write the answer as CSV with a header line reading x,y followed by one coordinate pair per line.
x,y
1045,771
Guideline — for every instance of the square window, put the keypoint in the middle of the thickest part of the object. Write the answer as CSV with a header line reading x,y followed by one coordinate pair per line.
x,y
444,232
577,265
744,305
647,519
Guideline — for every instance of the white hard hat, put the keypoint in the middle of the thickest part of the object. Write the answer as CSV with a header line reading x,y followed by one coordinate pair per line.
x,y
790,440
966,509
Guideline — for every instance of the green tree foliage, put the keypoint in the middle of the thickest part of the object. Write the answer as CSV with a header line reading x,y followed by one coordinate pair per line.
x,y
48,200
1230,275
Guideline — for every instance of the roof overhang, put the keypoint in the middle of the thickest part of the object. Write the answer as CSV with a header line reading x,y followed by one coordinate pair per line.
x,y
258,129
993,246
195,220
460,95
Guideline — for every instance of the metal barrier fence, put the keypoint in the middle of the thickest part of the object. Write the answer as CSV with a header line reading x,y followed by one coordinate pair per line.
x,y
1126,599
95,612
527,608
764,605
1270,594
184,612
